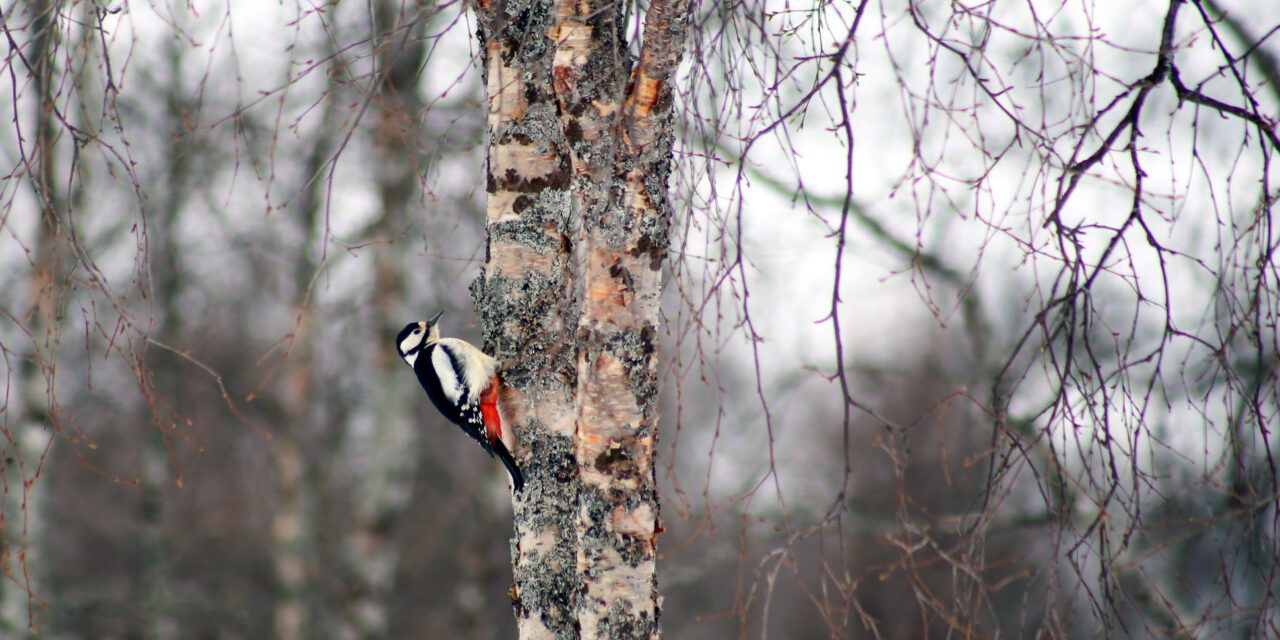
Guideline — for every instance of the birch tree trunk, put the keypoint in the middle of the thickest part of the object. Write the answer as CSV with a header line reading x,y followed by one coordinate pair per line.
x,y
54,260
383,489
579,154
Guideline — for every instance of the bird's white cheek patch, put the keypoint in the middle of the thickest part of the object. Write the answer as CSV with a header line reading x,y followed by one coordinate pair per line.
x,y
408,343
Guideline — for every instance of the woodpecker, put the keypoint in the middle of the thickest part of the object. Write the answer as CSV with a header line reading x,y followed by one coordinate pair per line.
x,y
462,381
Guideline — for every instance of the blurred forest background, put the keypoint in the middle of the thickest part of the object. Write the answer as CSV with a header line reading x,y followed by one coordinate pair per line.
x,y
971,322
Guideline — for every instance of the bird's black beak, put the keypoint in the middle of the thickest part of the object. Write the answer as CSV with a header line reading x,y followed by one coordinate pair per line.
x,y
434,319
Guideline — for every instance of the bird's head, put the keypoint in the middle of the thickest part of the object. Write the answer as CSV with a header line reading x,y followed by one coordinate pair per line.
x,y
416,335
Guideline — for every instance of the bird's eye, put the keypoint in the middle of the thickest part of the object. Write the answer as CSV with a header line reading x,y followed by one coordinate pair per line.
x,y
417,331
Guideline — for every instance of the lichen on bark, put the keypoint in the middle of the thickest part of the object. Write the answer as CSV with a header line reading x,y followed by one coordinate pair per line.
x,y
579,158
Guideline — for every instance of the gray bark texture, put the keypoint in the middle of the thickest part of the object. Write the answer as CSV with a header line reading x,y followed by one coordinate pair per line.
x,y
578,219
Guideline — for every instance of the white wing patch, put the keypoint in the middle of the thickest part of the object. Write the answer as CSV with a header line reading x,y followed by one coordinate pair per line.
x,y
478,367
443,365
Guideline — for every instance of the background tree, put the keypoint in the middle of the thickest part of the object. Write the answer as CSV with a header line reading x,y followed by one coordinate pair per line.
x,y
969,325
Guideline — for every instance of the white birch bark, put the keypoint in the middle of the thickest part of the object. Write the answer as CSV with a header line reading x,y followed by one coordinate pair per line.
x,y
579,141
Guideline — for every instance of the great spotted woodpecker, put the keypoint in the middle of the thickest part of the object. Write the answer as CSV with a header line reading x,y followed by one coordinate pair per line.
x,y
462,381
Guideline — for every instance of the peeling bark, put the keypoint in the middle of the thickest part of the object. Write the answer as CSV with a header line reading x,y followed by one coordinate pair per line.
x,y
580,141
525,299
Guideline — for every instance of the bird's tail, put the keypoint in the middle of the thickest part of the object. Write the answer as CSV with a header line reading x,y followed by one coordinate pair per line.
x,y
517,478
